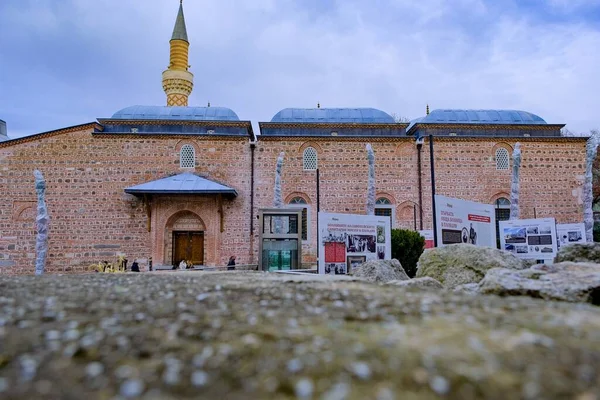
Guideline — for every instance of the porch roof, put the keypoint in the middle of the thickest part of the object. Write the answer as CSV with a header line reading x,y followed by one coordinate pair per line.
x,y
185,183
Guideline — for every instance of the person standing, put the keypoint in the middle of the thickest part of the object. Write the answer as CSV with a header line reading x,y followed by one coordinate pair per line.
x,y
231,263
135,267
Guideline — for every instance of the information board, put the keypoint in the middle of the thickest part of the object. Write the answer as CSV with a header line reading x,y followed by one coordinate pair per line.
x,y
348,240
462,221
532,239
570,233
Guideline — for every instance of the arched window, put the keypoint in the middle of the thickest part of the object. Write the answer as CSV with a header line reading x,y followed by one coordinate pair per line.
x,y
502,161
502,206
383,206
187,156
299,202
309,159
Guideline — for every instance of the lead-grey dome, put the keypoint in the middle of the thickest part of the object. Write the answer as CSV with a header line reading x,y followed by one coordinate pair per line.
x,y
176,113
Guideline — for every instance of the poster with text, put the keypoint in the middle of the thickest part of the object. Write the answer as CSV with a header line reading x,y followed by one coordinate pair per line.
x,y
427,234
533,239
462,221
570,233
348,240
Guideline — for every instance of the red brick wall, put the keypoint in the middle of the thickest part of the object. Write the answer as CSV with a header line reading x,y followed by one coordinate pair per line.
x,y
551,176
91,217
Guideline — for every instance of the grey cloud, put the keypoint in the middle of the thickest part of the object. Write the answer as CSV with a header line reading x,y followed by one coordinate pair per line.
x,y
74,61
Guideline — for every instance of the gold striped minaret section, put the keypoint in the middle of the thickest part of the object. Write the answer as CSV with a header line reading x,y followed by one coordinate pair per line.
x,y
177,80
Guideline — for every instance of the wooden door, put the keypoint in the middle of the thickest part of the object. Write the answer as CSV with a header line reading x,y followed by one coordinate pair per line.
x,y
197,248
188,246
180,247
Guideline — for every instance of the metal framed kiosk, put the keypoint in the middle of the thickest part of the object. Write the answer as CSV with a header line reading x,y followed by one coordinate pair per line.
x,y
280,239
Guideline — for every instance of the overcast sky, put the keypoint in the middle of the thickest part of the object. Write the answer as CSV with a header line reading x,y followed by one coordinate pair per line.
x,y
67,62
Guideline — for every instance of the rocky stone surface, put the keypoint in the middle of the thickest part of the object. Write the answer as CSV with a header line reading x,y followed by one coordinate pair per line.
x,y
463,263
579,252
421,283
253,335
467,288
381,271
567,281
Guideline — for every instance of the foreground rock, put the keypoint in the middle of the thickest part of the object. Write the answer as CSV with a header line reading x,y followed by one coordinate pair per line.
x,y
273,336
381,271
463,263
573,282
583,252
420,283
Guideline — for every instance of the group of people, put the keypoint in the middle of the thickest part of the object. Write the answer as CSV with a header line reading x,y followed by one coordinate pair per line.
x,y
105,266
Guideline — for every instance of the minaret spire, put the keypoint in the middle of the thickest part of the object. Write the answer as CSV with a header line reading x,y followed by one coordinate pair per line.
x,y
177,80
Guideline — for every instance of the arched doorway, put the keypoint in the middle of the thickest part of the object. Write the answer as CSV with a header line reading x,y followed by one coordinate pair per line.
x,y
184,238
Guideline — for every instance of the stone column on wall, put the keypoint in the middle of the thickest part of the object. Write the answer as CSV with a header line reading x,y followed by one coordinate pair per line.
x,y
371,181
514,187
42,219
588,196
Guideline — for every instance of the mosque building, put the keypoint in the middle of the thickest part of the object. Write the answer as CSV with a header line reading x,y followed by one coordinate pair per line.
x,y
166,183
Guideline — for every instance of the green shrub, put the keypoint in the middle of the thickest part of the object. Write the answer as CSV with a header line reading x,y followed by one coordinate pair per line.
x,y
407,247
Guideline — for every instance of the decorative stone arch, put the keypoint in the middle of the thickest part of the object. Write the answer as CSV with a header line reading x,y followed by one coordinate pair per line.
x,y
406,214
499,195
405,148
293,195
306,145
166,212
182,142
24,211
504,145
184,220
387,195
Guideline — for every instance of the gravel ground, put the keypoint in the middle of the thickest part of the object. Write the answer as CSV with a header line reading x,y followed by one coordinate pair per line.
x,y
233,335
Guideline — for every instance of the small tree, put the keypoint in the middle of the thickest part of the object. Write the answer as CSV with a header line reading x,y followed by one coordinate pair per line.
x,y
400,119
407,247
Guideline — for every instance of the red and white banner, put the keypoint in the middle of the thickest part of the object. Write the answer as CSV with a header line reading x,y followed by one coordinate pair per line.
x,y
462,221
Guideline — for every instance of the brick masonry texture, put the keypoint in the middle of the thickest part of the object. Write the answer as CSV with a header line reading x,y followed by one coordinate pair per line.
x,y
93,219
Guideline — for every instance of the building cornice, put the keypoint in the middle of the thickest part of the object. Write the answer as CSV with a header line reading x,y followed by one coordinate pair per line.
x,y
43,135
137,122
128,135
436,138
336,138
510,138
543,127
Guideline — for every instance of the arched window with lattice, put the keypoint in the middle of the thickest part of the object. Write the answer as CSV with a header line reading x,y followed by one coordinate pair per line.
x,y
384,207
187,156
309,159
299,202
502,159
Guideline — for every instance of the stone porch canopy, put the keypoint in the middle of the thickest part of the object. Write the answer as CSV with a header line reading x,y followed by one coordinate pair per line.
x,y
181,184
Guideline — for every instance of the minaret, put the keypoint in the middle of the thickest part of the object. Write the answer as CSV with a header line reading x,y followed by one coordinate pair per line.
x,y
177,80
